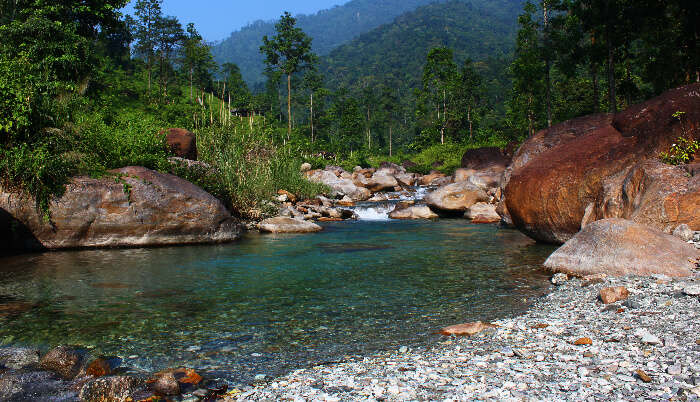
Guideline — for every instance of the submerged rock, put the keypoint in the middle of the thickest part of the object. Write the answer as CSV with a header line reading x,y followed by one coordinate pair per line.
x,y
18,358
115,388
135,207
282,224
65,361
620,247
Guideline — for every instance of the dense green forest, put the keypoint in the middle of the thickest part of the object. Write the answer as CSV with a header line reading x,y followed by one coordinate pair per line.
x,y
86,89
329,28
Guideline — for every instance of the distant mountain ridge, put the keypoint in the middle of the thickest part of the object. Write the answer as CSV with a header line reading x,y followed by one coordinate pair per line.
x,y
329,29
394,54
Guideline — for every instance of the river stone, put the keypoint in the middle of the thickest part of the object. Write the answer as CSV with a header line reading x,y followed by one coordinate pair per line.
x,y
482,212
166,384
283,224
468,329
619,247
684,233
456,197
612,295
115,388
305,167
66,361
413,212
18,358
140,208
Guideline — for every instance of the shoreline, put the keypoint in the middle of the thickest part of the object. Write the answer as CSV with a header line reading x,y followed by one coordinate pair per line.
x,y
532,356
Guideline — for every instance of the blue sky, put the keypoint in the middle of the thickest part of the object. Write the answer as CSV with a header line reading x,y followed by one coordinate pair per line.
x,y
216,19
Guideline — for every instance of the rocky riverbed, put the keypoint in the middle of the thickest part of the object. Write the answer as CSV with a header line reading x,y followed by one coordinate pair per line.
x,y
569,346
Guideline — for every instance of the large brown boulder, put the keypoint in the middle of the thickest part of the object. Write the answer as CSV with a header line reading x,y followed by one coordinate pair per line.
x,y
134,206
586,169
621,247
181,142
456,197
484,158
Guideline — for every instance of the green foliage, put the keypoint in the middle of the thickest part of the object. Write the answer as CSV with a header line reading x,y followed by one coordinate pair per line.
x,y
329,28
251,167
36,170
681,152
130,140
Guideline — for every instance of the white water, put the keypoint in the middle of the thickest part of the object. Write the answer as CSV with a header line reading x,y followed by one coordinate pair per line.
x,y
379,211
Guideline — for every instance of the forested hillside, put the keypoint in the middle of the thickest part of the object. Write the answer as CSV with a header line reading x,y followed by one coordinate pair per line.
x,y
395,53
329,29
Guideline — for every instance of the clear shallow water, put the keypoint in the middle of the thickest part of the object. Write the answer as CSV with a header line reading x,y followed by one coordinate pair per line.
x,y
269,304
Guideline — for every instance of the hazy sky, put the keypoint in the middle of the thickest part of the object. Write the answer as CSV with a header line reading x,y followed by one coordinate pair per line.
x,y
216,19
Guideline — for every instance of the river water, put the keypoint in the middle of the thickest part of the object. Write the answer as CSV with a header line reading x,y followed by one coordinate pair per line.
x,y
271,303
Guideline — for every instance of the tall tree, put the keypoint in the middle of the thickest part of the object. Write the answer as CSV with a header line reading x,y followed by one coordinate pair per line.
x,y
438,79
288,52
169,36
469,94
148,13
196,58
235,85
528,72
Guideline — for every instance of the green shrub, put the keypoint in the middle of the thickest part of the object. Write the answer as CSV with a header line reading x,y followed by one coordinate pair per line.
x,y
35,170
681,152
251,167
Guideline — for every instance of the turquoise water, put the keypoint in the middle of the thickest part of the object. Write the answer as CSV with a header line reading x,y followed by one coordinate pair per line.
x,y
268,304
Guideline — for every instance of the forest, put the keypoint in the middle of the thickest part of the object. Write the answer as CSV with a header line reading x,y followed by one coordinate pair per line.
x,y
87,89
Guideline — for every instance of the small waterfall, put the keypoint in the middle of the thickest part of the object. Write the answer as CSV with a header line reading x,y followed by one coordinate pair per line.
x,y
373,211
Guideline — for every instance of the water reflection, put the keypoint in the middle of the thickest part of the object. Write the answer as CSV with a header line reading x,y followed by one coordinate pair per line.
x,y
271,303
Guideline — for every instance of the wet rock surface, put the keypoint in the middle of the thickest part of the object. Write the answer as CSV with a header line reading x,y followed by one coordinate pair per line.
x,y
646,348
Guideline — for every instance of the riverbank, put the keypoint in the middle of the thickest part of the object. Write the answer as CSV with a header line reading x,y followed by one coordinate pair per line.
x,y
645,347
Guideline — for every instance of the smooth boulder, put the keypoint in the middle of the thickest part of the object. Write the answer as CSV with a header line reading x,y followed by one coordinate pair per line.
x,y
182,143
598,167
134,206
485,158
620,247
283,224
456,197
482,212
413,213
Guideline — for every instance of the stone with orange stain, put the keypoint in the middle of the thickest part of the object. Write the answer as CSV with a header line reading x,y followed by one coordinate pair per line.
x,y
468,329
99,368
583,341
614,294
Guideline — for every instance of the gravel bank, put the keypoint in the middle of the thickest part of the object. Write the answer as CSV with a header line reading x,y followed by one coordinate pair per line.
x,y
646,347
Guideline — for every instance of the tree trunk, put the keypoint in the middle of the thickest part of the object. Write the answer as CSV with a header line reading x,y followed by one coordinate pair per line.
x,y
390,135
596,93
547,64
469,118
289,107
369,132
312,117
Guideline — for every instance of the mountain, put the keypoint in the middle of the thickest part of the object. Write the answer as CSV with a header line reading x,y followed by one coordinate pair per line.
x,y
394,54
328,28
